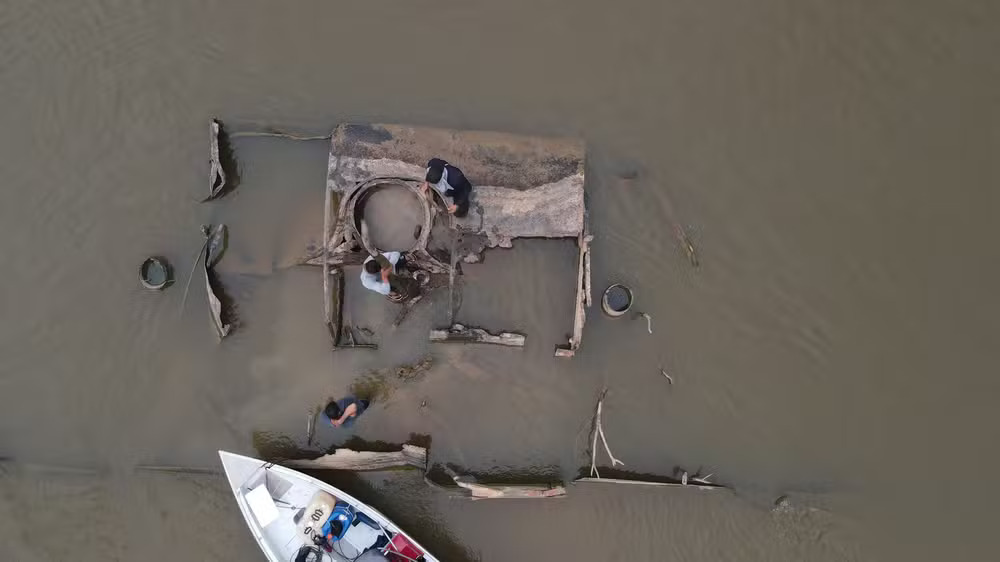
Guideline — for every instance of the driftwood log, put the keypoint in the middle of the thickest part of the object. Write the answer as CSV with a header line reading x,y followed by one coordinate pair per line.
x,y
479,491
347,459
462,334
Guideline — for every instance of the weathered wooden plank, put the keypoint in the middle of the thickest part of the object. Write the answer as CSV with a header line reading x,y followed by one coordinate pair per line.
x,y
347,459
462,334
327,295
522,491
478,491
650,483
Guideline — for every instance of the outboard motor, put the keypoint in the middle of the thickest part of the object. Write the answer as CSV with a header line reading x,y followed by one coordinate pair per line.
x,y
340,521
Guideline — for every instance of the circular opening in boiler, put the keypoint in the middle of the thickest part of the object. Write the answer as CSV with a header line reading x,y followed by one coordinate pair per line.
x,y
395,217
617,300
154,273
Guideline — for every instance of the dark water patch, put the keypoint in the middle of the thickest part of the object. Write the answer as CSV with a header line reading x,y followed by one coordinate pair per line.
x,y
380,384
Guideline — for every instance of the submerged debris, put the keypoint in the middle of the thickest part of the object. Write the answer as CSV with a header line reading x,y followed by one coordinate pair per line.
x,y
279,133
649,321
311,425
348,459
411,372
687,245
479,491
215,249
379,385
598,431
216,175
194,265
527,187
701,479
462,334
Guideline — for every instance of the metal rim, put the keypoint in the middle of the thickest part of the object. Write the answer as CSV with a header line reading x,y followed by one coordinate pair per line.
x,y
606,304
144,273
360,197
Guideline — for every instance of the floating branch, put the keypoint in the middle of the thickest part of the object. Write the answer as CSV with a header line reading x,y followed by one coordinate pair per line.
x,y
598,431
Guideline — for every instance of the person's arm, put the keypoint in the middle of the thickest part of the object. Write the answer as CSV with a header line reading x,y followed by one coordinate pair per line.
x,y
375,283
459,189
348,412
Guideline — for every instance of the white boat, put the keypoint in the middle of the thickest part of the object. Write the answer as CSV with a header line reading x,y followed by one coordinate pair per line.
x,y
286,512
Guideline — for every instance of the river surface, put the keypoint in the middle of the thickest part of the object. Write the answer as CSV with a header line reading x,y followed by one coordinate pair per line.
x,y
835,164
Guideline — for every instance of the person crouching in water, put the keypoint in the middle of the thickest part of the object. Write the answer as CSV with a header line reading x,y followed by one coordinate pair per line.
x,y
449,181
384,275
343,412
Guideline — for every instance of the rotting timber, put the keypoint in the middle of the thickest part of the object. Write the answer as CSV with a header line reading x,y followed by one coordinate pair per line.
x,y
524,187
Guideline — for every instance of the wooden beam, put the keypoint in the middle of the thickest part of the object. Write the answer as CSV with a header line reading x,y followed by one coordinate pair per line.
x,y
347,459
462,334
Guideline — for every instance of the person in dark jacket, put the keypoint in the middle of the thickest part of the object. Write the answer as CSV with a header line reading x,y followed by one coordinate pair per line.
x,y
449,181
345,411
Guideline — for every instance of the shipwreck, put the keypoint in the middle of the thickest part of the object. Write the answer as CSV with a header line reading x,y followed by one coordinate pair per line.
x,y
524,187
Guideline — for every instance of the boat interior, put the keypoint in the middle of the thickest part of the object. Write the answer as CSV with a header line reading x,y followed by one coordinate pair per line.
x,y
294,516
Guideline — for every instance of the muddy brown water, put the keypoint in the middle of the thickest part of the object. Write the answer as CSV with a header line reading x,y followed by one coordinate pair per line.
x,y
835,163
394,215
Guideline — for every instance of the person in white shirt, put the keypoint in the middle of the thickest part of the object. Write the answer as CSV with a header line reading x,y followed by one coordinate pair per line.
x,y
376,272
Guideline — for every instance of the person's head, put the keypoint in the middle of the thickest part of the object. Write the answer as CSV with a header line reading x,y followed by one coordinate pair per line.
x,y
332,411
434,173
372,266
